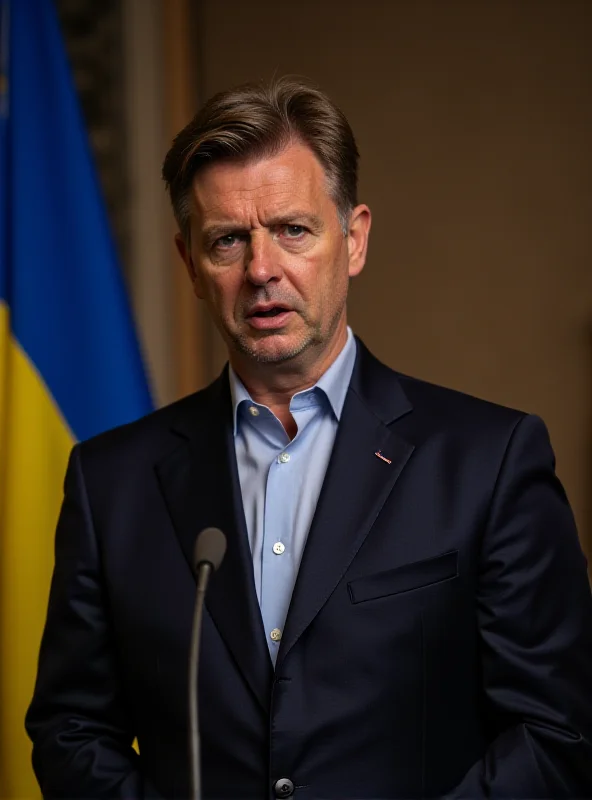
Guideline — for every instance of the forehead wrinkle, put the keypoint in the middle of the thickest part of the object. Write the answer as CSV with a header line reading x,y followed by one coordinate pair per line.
x,y
273,204
249,193
261,171
264,189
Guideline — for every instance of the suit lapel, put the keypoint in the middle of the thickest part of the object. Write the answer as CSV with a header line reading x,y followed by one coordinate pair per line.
x,y
199,480
356,486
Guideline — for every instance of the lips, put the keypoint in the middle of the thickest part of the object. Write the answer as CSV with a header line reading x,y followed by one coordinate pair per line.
x,y
268,310
269,316
273,312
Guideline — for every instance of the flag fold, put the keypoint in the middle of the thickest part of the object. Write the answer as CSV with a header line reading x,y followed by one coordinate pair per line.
x,y
70,365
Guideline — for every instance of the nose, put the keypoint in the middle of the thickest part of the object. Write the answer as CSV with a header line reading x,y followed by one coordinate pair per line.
x,y
261,265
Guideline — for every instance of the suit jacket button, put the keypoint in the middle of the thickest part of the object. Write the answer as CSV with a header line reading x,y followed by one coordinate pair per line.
x,y
283,788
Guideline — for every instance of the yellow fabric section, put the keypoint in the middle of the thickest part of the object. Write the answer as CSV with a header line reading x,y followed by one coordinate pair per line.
x,y
34,447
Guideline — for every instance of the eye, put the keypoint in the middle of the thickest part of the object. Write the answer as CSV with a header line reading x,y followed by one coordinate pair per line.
x,y
294,231
225,242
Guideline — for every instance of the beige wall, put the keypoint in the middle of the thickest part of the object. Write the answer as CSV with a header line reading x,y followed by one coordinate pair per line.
x,y
474,120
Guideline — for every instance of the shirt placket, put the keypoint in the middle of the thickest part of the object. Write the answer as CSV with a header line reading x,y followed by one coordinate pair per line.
x,y
277,558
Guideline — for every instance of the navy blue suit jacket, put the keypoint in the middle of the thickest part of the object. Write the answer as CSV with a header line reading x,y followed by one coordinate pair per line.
x,y
438,642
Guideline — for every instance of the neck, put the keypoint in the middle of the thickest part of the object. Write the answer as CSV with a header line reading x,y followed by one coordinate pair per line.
x,y
273,385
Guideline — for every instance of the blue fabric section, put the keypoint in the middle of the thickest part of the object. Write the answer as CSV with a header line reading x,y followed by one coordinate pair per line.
x,y
4,220
68,304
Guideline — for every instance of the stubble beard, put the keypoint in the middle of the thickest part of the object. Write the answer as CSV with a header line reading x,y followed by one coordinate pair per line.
x,y
244,344
312,337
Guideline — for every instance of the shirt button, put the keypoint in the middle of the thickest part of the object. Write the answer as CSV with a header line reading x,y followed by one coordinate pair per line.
x,y
276,635
284,458
279,548
283,788
253,411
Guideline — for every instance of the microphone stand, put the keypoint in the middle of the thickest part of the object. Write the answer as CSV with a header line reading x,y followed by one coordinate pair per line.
x,y
208,553
205,569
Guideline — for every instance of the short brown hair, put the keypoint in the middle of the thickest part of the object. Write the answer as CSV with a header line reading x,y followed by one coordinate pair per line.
x,y
258,120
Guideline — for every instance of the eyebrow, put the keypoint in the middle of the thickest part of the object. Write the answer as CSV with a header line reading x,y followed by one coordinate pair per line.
x,y
213,232
294,217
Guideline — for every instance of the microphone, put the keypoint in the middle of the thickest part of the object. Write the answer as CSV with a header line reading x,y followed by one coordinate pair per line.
x,y
208,553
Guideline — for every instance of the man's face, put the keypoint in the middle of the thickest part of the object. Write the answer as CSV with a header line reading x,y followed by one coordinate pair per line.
x,y
270,258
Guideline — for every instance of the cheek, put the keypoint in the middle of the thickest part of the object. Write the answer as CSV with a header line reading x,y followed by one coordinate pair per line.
x,y
224,290
312,275
319,281
330,275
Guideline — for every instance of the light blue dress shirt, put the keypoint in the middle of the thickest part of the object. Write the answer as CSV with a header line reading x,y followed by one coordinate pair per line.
x,y
281,480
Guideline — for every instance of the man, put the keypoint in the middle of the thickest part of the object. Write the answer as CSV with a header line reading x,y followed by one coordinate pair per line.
x,y
403,610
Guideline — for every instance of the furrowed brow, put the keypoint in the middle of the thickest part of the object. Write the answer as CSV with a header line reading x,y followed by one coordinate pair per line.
x,y
210,234
213,232
296,218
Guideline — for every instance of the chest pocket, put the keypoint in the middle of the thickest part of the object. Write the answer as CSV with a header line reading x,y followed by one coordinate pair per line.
x,y
416,575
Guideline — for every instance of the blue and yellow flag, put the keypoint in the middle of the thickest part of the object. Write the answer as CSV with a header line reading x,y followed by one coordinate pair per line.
x,y
70,366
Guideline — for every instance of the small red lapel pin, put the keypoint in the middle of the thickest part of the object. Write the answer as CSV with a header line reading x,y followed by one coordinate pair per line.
x,y
379,454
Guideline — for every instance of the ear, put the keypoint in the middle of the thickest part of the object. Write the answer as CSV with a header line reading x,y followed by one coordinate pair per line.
x,y
185,253
357,238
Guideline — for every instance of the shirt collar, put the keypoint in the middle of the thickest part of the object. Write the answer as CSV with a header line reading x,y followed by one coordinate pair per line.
x,y
334,382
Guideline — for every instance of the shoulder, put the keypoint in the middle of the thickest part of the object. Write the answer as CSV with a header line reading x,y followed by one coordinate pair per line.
x,y
423,395
480,425
427,410
158,432
462,435
449,404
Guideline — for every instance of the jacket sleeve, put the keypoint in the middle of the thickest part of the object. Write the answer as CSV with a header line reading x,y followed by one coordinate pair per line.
x,y
79,723
535,620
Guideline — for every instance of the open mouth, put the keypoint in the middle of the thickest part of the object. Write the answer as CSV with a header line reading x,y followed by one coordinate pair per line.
x,y
270,317
272,312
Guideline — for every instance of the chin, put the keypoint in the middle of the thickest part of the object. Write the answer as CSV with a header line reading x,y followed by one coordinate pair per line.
x,y
272,349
